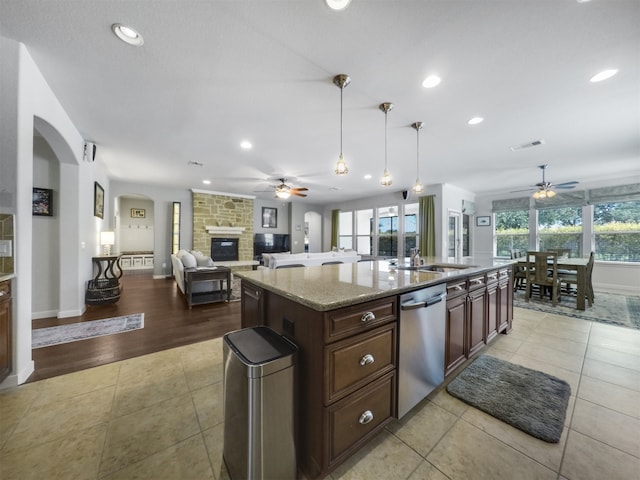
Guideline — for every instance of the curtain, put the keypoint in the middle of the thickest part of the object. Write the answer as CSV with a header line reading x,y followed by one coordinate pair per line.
x,y
426,216
335,227
521,203
621,193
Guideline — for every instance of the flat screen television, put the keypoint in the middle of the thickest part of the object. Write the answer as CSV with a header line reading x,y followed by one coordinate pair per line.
x,y
270,243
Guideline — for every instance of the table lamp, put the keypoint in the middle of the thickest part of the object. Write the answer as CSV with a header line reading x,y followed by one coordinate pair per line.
x,y
106,240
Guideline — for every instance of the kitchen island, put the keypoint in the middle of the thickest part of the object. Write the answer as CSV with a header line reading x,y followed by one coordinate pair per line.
x,y
345,320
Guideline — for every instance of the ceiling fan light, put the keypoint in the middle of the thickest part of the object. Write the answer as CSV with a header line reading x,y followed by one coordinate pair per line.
x,y
341,166
551,193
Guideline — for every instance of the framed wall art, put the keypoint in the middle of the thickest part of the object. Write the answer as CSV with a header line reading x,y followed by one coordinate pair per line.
x,y
269,217
483,221
98,200
137,213
42,202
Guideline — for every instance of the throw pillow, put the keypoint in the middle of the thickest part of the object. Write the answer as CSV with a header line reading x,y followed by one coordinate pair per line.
x,y
188,260
203,261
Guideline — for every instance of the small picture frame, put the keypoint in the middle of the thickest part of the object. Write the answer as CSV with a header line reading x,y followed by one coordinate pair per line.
x,y
137,213
269,217
483,221
42,202
98,200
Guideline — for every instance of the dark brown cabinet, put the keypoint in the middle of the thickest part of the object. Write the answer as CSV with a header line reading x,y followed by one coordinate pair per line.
x,y
252,305
455,351
5,329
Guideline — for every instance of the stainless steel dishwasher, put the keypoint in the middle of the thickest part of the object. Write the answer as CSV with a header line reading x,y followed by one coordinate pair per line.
x,y
422,343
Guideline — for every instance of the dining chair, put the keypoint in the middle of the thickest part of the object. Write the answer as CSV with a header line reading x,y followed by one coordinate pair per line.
x,y
571,278
562,252
519,273
542,270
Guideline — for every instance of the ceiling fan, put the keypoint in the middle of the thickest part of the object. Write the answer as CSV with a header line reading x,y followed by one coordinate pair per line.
x,y
545,189
284,191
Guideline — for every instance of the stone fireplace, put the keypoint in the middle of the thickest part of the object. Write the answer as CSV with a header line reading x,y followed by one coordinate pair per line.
x,y
220,216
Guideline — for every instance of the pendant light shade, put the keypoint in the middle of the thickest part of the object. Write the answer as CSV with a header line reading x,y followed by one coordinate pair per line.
x,y
341,81
418,187
386,180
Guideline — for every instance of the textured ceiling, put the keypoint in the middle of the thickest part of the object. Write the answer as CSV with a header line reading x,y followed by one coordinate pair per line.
x,y
213,73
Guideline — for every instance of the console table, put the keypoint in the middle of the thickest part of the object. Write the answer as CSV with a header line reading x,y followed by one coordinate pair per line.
x,y
105,286
197,275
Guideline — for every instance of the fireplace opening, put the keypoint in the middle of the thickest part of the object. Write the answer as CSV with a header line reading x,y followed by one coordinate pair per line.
x,y
224,249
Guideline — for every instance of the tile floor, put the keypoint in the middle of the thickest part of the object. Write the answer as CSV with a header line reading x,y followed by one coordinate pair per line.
x,y
160,417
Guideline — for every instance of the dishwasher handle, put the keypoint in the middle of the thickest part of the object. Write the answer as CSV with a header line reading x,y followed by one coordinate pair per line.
x,y
426,303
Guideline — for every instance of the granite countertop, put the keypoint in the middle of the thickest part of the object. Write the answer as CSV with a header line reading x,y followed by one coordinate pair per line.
x,y
334,286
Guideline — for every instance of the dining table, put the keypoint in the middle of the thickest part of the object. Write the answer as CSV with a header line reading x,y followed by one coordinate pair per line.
x,y
579,265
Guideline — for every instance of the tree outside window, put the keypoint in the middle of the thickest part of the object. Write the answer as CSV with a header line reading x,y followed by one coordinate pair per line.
x,y
616,229
512,231
561,228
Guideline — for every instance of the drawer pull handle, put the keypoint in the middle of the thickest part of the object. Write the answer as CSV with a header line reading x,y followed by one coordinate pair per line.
x,y
367,360
367,317
366,417
457,288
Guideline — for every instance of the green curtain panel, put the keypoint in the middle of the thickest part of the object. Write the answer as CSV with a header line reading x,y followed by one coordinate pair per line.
x,y
335,227
426,214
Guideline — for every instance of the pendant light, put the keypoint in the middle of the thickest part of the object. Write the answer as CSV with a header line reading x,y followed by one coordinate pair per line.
x,y
418,187
386,177
341,81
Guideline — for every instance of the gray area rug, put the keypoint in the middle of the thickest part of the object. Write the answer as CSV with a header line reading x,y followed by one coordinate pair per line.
x,y
531,401
45,337
610,308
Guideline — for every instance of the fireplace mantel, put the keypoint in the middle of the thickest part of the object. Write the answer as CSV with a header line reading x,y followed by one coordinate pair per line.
x,y
224,230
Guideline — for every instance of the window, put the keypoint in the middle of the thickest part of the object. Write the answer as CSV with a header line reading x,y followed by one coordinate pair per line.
x,y
345,231
411,237
561,228
512,231
616,228
387,232
364,232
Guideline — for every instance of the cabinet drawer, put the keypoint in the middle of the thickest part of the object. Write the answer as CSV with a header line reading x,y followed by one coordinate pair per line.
x,y
5,290
476,282
353,419
148,261
456,288
358,318
492,277
503,275
352,363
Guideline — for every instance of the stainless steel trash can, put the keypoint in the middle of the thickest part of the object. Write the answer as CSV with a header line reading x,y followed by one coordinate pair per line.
x,y
259,430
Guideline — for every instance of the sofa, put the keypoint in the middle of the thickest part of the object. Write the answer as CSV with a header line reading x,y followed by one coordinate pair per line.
x,y
287,259
192,259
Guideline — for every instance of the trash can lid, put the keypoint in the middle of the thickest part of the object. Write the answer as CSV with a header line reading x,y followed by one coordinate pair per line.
x,y
259,345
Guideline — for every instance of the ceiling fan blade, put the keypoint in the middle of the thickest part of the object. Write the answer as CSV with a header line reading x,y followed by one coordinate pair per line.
x,y
300,189
567,184
523,190
297,194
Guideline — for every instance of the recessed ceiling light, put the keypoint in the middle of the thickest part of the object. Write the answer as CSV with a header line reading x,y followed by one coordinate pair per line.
x,y
246,145
337,4
431,81
599,77
206,182
475,120
367,176
127,34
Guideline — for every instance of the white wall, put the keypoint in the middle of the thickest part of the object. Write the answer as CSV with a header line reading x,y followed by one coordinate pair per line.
x,y
45,286
134,234
26,101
